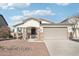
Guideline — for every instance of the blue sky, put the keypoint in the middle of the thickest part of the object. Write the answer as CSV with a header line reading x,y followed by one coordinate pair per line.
x,y
56,12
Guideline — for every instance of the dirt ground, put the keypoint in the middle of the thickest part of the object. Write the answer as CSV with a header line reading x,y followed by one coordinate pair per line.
x,y
22,48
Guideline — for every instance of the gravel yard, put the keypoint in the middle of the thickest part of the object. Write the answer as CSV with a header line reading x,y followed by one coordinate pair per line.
x,y
22,48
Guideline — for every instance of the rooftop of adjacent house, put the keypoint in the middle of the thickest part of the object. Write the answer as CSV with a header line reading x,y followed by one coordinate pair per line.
x,y
3,21
67,20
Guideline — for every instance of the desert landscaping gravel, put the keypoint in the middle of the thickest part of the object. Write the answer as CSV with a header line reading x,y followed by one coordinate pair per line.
x,y
22,48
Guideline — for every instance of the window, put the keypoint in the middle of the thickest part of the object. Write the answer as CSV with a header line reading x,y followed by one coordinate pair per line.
x,y
40,22
19,29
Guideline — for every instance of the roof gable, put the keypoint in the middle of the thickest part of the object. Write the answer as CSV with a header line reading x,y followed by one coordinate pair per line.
x,y
36,19
3,21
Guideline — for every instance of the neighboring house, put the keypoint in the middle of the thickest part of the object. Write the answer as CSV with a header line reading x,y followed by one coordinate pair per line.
x,y
41,29
74,29
4,29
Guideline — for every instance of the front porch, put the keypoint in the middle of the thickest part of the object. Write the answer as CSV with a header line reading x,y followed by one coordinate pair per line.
x,y
29,33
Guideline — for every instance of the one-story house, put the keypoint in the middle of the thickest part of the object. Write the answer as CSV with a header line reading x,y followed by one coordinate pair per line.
x,y
41,29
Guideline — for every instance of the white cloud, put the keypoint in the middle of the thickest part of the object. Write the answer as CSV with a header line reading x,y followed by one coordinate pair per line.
x,y
63,4
3,5
38,13
28,13
17,18
11,8
13,5
28,4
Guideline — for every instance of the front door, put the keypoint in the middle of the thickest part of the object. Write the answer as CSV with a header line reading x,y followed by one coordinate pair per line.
x,y
33,32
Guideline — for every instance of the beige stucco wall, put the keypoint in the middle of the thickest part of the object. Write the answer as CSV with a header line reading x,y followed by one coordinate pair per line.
x,y
33,23
30,23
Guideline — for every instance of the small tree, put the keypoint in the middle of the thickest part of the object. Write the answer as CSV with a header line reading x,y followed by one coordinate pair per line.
x,y
74,20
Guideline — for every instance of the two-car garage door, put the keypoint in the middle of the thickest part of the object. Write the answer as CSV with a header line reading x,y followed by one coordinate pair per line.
x,y
55,33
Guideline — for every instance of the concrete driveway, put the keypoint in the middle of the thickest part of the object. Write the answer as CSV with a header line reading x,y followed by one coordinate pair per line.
x,y
62,47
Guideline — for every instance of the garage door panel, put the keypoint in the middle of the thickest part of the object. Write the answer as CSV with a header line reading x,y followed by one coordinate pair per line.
x,y
55,33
